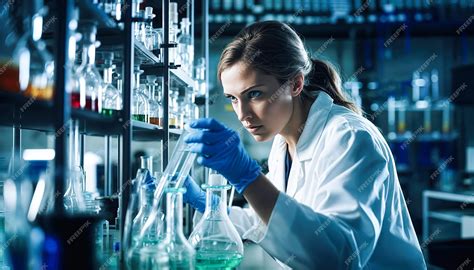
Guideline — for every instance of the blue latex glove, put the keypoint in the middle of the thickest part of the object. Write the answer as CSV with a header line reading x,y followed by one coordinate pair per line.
x,y
195,196
219,148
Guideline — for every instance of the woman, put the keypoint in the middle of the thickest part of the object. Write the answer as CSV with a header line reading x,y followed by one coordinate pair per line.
x,y
331,199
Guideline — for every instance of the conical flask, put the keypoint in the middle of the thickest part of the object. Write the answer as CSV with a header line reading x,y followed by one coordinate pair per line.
x,y
176,247
217,243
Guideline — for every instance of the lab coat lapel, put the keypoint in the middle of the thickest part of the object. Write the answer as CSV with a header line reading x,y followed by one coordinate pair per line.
x,y
308,140
278,177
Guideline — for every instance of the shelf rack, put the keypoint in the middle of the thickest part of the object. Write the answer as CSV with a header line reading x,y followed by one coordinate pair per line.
x,y
21,112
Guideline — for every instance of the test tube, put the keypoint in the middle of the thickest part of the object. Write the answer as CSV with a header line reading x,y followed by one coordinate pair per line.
x,y
174,175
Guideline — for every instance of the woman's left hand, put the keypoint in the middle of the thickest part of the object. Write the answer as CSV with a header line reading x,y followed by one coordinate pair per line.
x,y
220,148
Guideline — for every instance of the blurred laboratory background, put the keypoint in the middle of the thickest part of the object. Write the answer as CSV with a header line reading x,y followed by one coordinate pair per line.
x,y
94,95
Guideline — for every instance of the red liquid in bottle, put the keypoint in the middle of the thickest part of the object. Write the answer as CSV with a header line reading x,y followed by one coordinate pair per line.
x,y
76,100
91,106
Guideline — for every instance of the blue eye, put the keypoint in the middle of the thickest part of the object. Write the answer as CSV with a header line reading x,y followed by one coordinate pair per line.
x,y
232,99
254,94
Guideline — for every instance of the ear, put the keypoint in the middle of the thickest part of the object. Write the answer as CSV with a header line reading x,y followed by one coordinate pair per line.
x,y
298,84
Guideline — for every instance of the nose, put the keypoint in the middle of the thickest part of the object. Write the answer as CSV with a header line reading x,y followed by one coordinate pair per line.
x,y
243,111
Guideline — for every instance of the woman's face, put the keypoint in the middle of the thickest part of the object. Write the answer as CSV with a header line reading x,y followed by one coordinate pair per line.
x,y
262,105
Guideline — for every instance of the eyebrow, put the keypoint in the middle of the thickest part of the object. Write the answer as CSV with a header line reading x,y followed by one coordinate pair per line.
x,y
246,90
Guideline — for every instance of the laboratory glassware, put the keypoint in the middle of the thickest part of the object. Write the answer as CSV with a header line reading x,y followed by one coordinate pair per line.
x,y
73,198
200,87
174,112
174,175
176,247
14,58
156,113
140,106
185,47
41,65
112,98
146,29
217,242
173,33
89,93
142,242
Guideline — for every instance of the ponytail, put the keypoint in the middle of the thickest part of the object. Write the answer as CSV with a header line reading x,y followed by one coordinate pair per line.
x,y
324,77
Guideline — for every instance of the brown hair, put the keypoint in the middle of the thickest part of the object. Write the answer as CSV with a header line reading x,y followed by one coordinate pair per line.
x,y
276,49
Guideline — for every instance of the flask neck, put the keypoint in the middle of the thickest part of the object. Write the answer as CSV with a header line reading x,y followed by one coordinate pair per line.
x,y
215,207
174,214
108,75
88,55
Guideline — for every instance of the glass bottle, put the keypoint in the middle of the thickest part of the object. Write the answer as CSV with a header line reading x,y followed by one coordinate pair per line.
x,y
185,47
140,106
179,251
89,93
11,53
174,109
173,33
191,110
112,99
146,29
156,113
136,13
200,87
217,243
41,65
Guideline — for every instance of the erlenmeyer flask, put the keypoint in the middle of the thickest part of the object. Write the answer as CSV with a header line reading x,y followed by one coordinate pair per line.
x,y
151,236
177,248
217,243
176,171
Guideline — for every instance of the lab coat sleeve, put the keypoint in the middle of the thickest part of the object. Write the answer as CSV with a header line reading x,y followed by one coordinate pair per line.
x,y
248,223
340,228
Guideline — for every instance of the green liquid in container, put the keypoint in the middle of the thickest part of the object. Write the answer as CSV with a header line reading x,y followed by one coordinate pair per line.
x,y
109,112
139,117
217,260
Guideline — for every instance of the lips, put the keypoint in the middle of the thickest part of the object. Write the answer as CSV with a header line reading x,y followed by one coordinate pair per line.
x,y
253,128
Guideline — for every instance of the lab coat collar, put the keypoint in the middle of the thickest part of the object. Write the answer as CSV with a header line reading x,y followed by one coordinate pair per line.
x,y
308,140
314,126
312,130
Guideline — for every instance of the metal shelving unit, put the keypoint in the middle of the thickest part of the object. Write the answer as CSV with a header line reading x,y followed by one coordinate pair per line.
x,y
23,112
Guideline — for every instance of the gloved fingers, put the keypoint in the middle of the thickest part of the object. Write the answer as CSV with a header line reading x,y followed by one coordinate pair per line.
x,y
205,149
204,136
205,161
208,123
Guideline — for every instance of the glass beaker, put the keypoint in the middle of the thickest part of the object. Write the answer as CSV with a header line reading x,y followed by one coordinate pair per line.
x,y
217,243
176,247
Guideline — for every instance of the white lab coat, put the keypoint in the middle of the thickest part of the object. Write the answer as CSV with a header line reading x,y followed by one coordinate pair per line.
x,y
343,208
